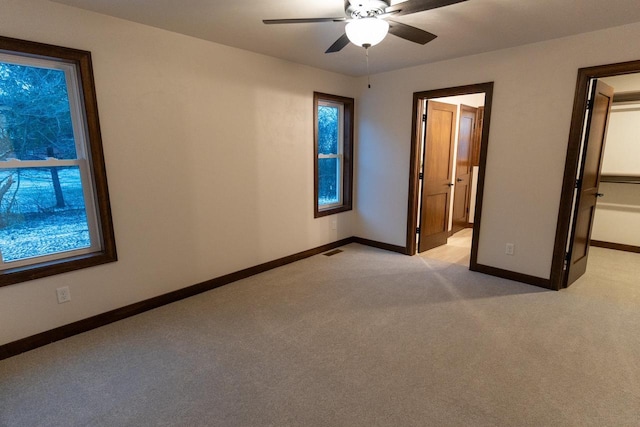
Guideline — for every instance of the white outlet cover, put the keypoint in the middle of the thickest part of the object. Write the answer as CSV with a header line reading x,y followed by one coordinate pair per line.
x,y
509,249
64,294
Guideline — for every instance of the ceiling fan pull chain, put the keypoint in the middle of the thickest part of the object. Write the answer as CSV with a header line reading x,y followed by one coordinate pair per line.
x,y
366,50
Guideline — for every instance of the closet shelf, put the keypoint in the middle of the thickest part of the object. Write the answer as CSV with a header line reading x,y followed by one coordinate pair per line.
x,y
620,179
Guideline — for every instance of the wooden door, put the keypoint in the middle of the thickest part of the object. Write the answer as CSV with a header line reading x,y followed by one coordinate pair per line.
x,y
437,174
477,137
462,189
588,180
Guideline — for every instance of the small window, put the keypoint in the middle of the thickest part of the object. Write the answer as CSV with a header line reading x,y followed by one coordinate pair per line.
x,y
333,141
54,207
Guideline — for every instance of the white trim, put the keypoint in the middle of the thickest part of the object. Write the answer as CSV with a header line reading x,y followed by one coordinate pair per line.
x,y
4,265
30,164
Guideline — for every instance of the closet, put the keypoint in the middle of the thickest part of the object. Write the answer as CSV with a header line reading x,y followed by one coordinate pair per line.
x,y
617,219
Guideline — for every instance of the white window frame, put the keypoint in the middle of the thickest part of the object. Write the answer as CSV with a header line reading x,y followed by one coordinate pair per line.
x,y
81,161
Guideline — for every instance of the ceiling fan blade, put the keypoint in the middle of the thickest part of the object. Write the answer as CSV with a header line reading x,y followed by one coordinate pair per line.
x,y
339,44
414,6
301,20
410,33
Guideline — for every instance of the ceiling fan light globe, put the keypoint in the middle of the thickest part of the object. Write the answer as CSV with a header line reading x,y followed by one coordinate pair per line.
x,y
367,31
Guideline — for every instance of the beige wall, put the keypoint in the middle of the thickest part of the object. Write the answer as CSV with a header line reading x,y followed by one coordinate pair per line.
x,y
533,98
617,218
209,154
622,148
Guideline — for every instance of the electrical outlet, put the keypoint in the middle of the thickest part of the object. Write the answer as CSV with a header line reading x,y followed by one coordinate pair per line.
x,y
334,224
510,248
64,294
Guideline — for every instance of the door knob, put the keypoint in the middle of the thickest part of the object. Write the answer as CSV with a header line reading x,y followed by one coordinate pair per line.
x,y
459,180
599,195
450,184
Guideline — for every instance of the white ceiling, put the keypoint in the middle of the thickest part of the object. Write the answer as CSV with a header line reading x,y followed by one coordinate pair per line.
x,y
463,29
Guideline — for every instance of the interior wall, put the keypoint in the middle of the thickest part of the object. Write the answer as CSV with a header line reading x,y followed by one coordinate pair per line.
x,y
209,158
530,119
624,82
617,218
622,148
472,100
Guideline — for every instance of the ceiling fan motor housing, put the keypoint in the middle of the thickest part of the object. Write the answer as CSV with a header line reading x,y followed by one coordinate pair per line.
x,y
357,9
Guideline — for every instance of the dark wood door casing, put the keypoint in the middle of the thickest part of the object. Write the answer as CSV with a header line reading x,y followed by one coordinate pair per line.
x,y
414,161
462,189
441,121
589,181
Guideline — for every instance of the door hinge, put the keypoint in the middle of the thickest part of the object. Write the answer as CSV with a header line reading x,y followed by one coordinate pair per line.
x,y
566,261
424,117
578,183
420,175
589,104
417,230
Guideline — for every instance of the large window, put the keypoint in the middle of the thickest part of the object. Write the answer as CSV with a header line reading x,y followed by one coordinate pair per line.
x,y
333,140
54,207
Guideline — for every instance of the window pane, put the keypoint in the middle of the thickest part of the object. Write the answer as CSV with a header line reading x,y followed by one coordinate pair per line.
x,y
328,129
35,118
328,182
42,212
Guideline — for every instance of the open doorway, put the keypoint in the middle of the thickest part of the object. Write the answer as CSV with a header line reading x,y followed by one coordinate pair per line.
x,y
446,175
617,220
586,209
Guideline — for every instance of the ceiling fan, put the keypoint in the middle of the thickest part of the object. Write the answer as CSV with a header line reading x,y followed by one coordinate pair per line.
x,y
368,21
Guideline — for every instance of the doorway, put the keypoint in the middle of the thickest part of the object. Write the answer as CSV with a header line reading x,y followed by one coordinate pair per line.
x,y
572,247
431,205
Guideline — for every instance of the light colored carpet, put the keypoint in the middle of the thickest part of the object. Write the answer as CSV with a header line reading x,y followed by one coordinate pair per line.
x,y
361,338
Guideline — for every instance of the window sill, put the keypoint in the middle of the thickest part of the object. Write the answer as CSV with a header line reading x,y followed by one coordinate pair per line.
x,y
16,275
332,211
